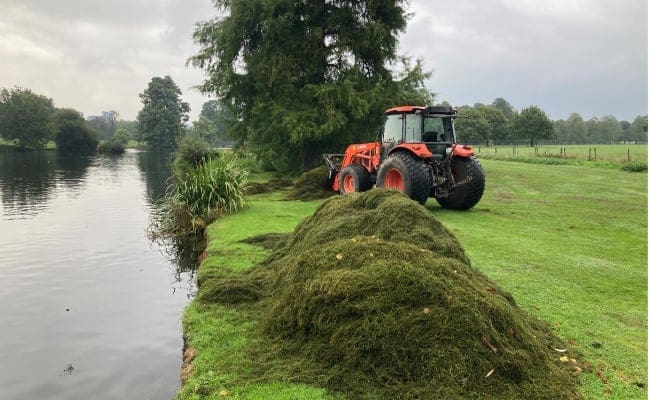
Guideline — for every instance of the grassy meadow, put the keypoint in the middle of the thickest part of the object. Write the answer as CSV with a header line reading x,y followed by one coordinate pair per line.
x,y
568,241
607,153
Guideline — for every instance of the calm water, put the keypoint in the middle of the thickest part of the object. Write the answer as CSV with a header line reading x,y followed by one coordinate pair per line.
x,y
90,308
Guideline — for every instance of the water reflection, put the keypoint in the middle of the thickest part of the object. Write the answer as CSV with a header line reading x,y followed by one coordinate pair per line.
x,y
28,180
156,169
184,253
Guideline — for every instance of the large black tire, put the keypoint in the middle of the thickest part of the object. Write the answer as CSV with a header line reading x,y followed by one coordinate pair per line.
x,y
406,173
469,173
354,178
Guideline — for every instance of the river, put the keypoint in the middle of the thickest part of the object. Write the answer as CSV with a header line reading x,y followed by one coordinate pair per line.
x,y
90,307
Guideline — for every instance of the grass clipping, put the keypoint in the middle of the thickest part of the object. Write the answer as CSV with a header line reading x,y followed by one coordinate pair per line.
x,y
373,298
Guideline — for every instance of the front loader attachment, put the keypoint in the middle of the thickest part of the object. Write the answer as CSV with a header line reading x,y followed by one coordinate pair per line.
x,y
333,162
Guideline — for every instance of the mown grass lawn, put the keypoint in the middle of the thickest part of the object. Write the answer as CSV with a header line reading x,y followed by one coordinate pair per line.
x,y
569,242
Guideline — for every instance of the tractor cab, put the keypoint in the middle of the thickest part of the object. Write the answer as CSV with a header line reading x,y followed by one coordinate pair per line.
x,y
409,126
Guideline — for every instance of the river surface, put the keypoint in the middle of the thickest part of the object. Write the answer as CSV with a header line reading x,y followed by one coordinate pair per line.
x,y
90,307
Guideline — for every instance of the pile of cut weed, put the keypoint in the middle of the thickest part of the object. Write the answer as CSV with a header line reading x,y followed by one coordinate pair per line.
x,y
269,241
272,185
373,298
312,185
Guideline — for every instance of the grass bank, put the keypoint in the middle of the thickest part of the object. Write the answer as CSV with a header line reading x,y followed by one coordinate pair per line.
x,y
569,242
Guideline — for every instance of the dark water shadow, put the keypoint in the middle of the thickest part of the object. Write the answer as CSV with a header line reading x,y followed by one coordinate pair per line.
x,y
30,179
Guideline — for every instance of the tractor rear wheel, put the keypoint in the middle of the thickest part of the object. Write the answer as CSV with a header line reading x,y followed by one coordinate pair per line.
x,y
406,173
469,177
354,178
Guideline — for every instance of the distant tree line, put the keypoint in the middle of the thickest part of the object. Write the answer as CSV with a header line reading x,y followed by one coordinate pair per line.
x,y
501,123
30,120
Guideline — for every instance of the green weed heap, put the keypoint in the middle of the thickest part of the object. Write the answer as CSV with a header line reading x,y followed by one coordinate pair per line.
x,y
312,185
373,298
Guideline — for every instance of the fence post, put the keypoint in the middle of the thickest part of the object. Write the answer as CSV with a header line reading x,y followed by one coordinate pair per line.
x,y
595,157
589,159
628,155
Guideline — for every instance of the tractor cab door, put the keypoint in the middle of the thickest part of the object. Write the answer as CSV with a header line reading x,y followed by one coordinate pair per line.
x,y
392,132
402,128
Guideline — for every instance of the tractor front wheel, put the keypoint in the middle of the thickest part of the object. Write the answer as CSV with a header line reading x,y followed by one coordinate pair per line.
x,y
354,178
468,186
406,173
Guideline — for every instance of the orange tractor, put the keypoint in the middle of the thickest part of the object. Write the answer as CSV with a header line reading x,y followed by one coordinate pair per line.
x,y
417,154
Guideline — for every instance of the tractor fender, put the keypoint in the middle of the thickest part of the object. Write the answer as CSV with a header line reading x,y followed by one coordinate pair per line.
x,y
462,150
419,150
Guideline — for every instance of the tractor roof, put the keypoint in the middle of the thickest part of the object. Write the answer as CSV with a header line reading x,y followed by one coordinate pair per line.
x,y
428,110
404,109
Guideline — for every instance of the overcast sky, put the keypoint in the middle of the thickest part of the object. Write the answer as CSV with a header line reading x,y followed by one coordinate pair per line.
x,y
585,56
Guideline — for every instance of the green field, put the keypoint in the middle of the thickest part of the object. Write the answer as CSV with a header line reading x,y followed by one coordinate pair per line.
x,y
569,242
617,153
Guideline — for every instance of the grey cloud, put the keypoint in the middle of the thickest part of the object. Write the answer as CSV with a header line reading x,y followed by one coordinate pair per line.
x,y
562,55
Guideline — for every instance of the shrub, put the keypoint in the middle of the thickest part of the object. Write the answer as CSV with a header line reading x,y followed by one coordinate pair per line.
x,y
121,136
110,147
73,132
192,151
199,194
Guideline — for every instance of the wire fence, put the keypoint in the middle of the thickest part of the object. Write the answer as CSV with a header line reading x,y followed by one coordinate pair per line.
x,y
615,153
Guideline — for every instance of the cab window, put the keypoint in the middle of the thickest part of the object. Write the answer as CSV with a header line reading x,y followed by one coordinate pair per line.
x,y
433,129
393,128
413,128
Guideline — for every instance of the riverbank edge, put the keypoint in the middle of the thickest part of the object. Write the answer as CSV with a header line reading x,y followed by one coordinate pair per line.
x,y
205,324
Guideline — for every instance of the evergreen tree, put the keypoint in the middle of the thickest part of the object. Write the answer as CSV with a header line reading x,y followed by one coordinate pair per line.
x,y
163,116
305,78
